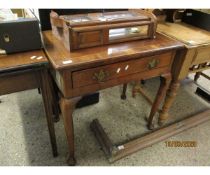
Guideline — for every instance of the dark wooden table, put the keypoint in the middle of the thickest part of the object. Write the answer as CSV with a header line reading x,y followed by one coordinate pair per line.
x,y
89,70
24,71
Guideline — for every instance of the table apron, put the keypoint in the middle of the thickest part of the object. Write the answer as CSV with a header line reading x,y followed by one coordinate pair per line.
x,y
19,81
80,91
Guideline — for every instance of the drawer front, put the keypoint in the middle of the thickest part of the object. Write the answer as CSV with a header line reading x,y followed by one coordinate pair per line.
x,y
104,73
202,55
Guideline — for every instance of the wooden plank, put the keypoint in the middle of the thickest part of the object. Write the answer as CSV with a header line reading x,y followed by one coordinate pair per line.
x,y
147,140
106,144
161,134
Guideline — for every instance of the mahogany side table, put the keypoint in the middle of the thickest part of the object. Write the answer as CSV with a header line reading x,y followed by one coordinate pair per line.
x,y
29,70
89,70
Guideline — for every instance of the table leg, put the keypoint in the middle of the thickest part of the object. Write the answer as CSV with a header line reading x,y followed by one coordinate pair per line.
x,y
55,99
164,84
136,88
46,95
67,108
170,96
123,96
197,75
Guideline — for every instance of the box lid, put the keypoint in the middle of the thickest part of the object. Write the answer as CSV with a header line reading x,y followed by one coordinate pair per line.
x,y
107,17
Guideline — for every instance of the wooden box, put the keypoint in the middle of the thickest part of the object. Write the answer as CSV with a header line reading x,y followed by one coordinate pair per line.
x,y
96,29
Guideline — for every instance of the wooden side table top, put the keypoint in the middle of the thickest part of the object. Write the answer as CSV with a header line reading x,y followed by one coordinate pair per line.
x,y
61,58
191,36
197,44
22,60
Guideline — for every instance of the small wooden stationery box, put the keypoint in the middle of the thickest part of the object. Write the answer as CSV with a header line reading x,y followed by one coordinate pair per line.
x,y
96,29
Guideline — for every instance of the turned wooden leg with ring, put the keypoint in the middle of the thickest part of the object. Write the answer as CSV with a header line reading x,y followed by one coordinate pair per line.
x,y
67,108
136,88
134,91
170,96
164,84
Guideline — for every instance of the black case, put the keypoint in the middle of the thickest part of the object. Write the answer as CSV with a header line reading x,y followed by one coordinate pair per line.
x,y
20,35
197,18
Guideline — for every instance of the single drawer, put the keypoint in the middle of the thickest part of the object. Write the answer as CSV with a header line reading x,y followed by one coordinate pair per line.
x,y
202,55
104,73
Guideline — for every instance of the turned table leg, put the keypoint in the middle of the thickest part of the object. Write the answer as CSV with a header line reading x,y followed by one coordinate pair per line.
x,y
135,89
67,108
164,84
123,95
170,96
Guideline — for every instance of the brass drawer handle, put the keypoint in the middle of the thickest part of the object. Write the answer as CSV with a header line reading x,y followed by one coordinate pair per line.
x,y
101,76
153,63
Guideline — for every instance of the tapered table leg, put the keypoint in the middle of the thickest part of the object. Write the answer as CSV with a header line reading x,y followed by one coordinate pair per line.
x,y
164,84
171,94
55,99
67,108
46,95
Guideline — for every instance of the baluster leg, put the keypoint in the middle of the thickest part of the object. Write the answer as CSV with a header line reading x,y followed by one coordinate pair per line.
x,y
164,84
170,97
